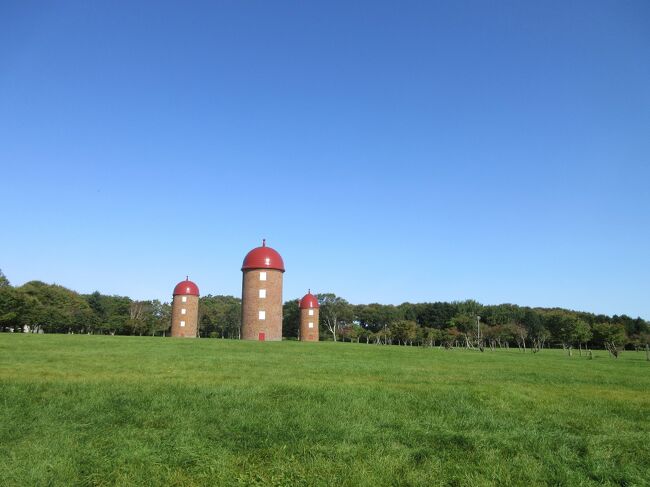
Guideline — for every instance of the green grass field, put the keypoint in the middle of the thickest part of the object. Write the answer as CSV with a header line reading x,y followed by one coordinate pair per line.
x,y
86,410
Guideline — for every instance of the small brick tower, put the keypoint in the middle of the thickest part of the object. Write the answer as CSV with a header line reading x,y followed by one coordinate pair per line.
x,y
185,309
309,308
262,295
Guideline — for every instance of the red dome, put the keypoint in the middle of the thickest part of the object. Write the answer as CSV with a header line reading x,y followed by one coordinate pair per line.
x,y
263,258
187,288
309,301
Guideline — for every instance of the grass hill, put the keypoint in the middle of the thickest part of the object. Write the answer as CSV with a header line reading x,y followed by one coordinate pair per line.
x,y
89,410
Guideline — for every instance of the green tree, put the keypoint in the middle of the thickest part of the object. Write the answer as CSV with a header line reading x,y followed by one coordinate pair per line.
x,y
139,317
160,317
449,337
54,308
582,333
611,336
567,332
466,324
110,314
435,315
219,316
291,318
469,307
403,331
427,336
4,282
335,312
12,303
563,327
352,332
501,314
365,335
375,316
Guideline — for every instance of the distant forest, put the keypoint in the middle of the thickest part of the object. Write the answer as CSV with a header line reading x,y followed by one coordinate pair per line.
x,y
38,307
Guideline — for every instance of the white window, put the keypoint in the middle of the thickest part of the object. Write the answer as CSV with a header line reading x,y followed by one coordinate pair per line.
x,y
311,312
262,293
184,299
262,276
183,311
267,261
262,315
182,323
311,325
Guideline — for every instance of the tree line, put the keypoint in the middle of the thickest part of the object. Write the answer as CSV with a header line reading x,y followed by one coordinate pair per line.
x,y
472,325
38,307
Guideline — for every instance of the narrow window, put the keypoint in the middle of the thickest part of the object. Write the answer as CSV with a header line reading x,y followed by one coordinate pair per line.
x,y
182,323
262,315
262,293
267,261
311,325
311,312
262,276
184,299
183,311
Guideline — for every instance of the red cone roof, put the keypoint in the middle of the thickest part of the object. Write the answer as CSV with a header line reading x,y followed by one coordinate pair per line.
x,y
186,288
263,258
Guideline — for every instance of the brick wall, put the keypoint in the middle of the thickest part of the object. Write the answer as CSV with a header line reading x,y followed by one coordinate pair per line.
x,y
308,334
191,316
252,304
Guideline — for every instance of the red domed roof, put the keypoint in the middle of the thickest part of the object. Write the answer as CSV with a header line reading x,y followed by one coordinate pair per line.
x,y
309,301
187,288
263,258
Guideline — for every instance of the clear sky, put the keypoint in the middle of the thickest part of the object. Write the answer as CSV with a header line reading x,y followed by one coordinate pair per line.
x,y
390,151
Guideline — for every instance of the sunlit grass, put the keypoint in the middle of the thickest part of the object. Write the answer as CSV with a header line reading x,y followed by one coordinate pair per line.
x,y
86,410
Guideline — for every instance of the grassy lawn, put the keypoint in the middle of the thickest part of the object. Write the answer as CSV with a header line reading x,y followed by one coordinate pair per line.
x,y
87,410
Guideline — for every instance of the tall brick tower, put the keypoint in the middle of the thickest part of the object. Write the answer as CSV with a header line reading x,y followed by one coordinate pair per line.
x,y
309,308
261,295
185,309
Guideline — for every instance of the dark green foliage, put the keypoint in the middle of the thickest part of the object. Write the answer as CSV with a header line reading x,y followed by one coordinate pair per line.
x,y
335,313
53,308
290,319
12,308
435,315
219,316
609,333
376,316
4,282
403,331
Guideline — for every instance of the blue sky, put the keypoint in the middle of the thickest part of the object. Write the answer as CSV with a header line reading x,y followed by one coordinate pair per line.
x,y
390,151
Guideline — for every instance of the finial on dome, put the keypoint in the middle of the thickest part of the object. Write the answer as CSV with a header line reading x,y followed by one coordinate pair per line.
x,y
309,291
187,278
263,242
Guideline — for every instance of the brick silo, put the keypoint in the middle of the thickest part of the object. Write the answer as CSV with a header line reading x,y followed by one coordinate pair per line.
x,y
309,308
262,294
185,310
